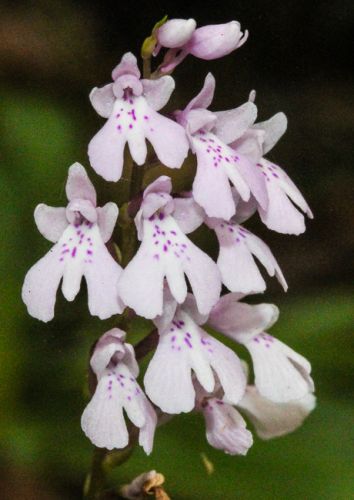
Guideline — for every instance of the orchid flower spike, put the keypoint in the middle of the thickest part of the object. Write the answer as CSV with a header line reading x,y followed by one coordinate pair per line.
x,y
79,232
185,347
131,106
114,364
280,215
217,164
166,252
281,374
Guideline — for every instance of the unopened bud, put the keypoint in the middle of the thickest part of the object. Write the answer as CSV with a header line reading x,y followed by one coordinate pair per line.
x,y
218,40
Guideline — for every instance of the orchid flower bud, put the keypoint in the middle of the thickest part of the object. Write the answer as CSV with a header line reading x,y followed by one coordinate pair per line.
x,y
176,33
217,40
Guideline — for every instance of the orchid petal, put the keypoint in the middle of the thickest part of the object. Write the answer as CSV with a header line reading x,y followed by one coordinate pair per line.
x,y
273,128
107,218
79,186
51,221
158,92
236,319
281,215
231,124
225,428
275,419
102,100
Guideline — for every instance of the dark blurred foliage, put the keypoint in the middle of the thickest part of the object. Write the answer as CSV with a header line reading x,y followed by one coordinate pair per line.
x,y
298,59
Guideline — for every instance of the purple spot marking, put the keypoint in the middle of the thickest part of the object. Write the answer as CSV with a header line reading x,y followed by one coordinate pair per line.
x,y
130,125
165,248
173,232
161,215
156,256
188,343
73,253
89,252
146,117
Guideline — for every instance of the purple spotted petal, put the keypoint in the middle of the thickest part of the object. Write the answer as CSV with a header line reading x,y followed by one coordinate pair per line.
x,y
236,262
103,421
166,251
183,347
79,252
281,215
281,374
217,164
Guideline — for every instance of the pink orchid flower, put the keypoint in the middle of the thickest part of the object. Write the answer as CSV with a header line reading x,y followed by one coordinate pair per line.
x,y
166,252
208,42
185,347
131,106
281,213
79,232
113,362
281,374
217,164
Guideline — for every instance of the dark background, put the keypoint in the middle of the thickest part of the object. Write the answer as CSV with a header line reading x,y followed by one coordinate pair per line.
x,y
298,59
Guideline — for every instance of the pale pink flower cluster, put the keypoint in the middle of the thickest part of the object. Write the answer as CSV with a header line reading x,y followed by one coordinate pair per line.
x,y
170,280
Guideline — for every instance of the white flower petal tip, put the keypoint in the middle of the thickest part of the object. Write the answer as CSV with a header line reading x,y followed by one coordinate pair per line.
x,y
271,419
114,364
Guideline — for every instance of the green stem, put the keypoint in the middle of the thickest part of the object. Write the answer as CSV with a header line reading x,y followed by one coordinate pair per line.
x,y
147,67
96,478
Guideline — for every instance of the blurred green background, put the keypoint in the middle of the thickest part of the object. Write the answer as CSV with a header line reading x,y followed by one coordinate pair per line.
x,y
51,54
